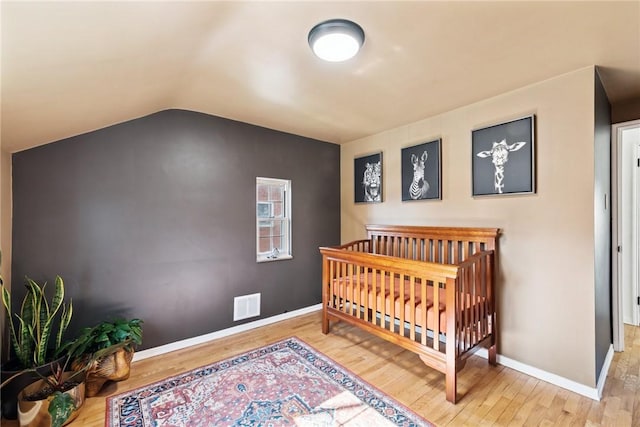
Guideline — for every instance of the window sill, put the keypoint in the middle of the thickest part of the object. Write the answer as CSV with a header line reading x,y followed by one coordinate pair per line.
x,y
264,258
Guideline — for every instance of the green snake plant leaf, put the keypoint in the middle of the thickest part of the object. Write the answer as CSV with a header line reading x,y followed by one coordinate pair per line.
x,y
41,344
30,310
25,335
32,345
60,408
37,296
23,344
6,301
67,312
32,328
58,297
40,310
45,317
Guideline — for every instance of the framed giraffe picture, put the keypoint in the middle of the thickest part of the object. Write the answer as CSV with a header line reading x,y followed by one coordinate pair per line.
x,y
422,171
367,178
503,158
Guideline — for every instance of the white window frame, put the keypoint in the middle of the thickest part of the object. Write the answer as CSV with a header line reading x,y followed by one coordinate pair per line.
x,y
262,222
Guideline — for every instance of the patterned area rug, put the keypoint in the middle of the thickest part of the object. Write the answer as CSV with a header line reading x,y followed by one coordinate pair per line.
x,y
287,383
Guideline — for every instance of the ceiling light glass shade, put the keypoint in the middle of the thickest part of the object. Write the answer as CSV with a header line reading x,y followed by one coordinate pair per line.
x,y
336,40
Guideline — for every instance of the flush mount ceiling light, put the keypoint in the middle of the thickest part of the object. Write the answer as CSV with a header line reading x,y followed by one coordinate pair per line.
x,y
336,40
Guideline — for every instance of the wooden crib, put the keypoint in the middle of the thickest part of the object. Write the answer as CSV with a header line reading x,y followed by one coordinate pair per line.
x,y
391,284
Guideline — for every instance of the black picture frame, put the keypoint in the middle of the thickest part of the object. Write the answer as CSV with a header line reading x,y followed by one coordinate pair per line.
x,y
422,171
367,178
503,158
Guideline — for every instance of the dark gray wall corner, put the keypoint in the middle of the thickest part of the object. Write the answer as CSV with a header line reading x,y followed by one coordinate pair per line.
x,y
602,222
155,218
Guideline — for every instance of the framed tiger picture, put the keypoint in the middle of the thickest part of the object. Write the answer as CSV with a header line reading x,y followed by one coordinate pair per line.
x,y
367,172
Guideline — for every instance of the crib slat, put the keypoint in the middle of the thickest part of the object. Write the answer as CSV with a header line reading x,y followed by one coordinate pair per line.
x,y
486,283
383,298
345,284
374,293
468,310
477,302
335,292
356,292
436,315
459,296
412,248
349,290
423,311
348,294
473,307
445,250
491,303
412,308
465,249
392,302
331,284
430,251
401,305
364,292
485,310
456,253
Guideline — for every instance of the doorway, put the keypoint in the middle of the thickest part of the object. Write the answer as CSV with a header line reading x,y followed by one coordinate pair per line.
x,y
626,228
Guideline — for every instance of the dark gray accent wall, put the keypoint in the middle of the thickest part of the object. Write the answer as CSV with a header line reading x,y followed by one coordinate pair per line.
x,y
602,222
155,218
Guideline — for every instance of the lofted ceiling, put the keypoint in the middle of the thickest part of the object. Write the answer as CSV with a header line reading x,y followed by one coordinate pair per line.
x,y
73,67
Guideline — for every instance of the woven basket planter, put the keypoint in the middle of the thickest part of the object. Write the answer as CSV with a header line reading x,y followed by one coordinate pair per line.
x,y
114,367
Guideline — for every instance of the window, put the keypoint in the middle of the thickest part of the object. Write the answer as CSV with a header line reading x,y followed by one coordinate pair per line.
x,y
273,219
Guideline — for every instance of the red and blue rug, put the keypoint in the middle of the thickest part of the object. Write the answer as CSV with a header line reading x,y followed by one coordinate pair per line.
x,y
288,383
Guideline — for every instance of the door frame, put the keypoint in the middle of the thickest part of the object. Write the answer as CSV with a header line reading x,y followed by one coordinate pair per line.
x,y
616,181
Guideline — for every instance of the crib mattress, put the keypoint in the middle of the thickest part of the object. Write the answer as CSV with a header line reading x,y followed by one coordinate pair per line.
x,y
345,288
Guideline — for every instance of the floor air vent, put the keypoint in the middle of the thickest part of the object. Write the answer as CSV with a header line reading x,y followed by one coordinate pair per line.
x,y
246,306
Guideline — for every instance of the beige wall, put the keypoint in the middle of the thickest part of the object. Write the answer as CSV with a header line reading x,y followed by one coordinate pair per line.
x,y
5,233
625,111
546,275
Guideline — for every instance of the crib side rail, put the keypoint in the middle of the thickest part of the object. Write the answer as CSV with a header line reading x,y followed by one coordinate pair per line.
x,y
348,277
356,246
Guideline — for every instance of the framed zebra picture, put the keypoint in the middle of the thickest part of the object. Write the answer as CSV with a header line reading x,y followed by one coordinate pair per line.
x,y
503,158
367,179
422,171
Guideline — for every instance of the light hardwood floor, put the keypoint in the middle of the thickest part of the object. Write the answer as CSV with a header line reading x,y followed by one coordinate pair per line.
x,y
488,395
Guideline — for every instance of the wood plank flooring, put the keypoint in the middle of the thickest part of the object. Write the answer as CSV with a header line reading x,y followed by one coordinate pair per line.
x,y
487,395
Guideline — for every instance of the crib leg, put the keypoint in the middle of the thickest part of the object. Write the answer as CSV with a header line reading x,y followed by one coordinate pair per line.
x,y
451,384
492,355
325,322
492,345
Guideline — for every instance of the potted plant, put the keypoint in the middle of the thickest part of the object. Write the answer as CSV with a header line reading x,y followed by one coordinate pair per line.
x,y
108,349
54,400
30,332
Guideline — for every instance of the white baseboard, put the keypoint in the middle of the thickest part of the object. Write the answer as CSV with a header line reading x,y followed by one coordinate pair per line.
x,y
605,371
576,387
179,345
